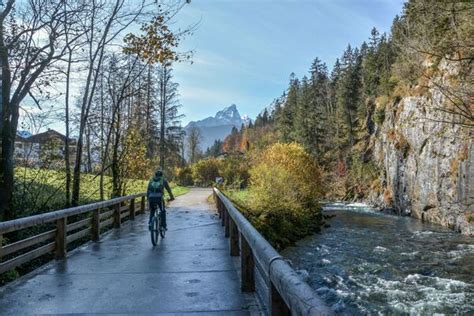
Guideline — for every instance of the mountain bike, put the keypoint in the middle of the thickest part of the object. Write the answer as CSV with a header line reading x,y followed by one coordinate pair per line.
x,y
157,228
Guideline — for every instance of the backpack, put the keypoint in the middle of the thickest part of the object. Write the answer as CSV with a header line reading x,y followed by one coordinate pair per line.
x,y
157,186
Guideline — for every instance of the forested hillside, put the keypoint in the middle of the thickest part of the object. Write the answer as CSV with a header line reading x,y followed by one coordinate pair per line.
x,y
392,121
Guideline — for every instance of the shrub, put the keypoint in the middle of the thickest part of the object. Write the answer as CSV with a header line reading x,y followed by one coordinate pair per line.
x,y
285,185
205,171
234,170
183,176
381,104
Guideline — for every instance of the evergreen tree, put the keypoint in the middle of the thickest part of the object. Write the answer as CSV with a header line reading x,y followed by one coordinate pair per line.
x,y
320,129
287,112
348,96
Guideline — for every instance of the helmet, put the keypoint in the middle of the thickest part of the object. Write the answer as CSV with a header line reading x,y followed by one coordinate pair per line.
x,y
158,173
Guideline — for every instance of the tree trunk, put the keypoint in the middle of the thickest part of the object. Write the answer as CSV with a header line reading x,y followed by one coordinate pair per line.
x,y
163,116
66,145
148,116
77,172
88,148
9,127
116,181
102,127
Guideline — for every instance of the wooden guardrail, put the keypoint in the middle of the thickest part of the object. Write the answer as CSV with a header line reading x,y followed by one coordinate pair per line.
x,y
67,226
285,293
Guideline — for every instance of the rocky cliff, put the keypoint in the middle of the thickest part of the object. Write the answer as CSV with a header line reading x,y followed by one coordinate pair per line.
x,y
427,164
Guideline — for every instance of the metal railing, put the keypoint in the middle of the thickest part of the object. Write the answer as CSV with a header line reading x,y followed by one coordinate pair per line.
x,y
61,228
286,293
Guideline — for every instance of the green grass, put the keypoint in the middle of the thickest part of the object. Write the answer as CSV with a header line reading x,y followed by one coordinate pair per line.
x,y
240,197
179,190
42,190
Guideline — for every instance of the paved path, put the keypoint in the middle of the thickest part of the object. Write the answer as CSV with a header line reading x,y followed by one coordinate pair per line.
x,y
189,272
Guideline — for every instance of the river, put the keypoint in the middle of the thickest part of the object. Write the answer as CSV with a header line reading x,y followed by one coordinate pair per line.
x,y
371,263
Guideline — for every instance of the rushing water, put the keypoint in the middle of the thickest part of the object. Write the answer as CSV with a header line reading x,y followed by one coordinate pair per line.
x,y
373,263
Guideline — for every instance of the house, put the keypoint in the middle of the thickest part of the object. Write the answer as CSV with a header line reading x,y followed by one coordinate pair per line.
x,y
47,147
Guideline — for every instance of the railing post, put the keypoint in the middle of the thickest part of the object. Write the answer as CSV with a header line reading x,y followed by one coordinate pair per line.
x,y
142,205
234,239
1,247
117,221
132,209
216,200
247,264
227,223
61,241
96,225
223,211
219,206
277,304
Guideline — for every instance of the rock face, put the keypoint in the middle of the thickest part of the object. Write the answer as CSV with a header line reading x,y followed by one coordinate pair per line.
x,y
428,166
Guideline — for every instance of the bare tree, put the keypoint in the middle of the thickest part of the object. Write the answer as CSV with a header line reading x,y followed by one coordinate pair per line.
x,y
25,54
170,120
107,21
194,140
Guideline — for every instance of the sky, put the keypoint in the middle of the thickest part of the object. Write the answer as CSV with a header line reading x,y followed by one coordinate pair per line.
x,y
244,51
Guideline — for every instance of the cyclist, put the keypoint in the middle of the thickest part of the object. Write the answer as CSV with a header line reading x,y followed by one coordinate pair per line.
x,y
155,195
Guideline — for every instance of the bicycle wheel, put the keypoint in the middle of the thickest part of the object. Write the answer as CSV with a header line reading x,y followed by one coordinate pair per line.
x,y
161,228
154,231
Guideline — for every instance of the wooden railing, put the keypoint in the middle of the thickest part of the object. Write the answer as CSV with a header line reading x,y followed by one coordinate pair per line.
x,y
61,228
283,293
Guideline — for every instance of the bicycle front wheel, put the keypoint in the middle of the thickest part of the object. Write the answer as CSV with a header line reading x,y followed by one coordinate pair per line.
x,y
154,231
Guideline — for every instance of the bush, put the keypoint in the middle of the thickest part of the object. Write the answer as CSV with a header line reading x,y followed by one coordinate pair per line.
x,y
285,185
205,171
234,170
183,176
381,105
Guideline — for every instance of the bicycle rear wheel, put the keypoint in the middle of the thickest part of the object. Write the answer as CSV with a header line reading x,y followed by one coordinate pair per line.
x,y
161,228
154,231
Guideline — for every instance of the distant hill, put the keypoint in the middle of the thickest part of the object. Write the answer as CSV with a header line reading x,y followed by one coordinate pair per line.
x,y
218,126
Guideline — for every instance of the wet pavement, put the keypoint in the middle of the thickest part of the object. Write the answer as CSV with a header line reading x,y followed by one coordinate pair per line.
x,y
189,272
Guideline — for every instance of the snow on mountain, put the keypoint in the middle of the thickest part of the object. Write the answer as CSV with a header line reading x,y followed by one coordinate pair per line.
x,y
246,120
272,106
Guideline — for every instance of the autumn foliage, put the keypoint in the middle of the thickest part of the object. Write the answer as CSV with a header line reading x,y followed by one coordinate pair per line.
x,y
285,185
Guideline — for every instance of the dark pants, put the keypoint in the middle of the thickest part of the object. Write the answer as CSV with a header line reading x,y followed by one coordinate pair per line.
x,y
156,203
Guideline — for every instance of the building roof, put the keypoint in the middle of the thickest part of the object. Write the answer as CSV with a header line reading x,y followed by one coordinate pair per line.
x,y
44,137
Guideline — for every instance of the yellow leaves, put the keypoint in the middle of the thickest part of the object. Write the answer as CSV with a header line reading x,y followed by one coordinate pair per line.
x,y
135,163
284,176
285,185
205,171
156,44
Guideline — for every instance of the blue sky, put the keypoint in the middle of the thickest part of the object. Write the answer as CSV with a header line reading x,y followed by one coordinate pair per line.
x,y
245,50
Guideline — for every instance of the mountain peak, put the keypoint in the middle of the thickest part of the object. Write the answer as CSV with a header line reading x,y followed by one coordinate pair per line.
x,y
229,114
218,126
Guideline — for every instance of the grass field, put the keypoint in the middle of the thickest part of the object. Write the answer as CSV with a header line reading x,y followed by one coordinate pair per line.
x,y
41,190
